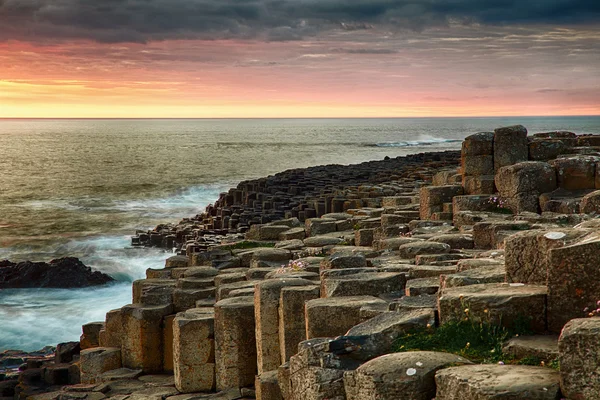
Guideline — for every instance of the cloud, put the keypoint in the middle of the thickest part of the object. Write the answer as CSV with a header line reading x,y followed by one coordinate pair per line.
x,y
150,20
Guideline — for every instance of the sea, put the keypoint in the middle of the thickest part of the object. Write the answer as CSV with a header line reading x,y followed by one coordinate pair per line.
x,y
81,188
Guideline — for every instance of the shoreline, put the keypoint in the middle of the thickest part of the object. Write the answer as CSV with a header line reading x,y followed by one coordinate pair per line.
x,y
386,165
330,268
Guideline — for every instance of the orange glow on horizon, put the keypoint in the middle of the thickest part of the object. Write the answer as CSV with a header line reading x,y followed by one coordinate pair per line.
x,y
233,79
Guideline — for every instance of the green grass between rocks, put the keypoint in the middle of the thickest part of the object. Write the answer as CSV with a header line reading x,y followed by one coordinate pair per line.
x,y
478,341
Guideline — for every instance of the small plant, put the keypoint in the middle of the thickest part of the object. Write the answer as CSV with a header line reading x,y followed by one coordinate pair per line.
x,y
293,266
593,311
478,339
499,205
356,227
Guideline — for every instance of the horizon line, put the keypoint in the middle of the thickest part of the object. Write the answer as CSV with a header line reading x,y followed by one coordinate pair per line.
x,y
281,118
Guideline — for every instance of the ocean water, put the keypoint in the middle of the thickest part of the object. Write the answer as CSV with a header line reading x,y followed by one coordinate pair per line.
x,y
81,187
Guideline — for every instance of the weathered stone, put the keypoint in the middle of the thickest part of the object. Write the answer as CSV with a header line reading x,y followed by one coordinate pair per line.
x,y
176,262
378,335
311,378
474,276
96,361
579,356
521,184
153,292
333,316
194,350
120,374
184,299
399,376
572,280
372,284
111,335
487,382
266,305
343,260
66,352
201,272
472,263
393,243
510,146
455,240
267,386
235,343
321,241
478,165
320,226
431,271
576,172
417,287
396,201
293,234
411,250
479,184
542,347
364,237
590,204
292,325
142,341
446,259
433,197
491,235
547,149
527,254
478,144
409,303
508,304
91,335
225,290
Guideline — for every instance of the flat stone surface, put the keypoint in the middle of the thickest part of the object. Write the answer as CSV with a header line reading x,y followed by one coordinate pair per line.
x,y
509,304
483,382
371,284
544,347
333,316
489,274
399,376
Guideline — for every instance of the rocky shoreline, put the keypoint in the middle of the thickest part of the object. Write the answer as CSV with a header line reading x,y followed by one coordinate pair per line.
x,y
375,281
65,273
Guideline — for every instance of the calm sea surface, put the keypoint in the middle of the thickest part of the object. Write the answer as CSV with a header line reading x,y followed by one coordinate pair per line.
x,y
80,187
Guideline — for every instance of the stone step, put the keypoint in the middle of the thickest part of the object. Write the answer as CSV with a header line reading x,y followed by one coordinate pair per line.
x,y
509,304
542,347
399,376
483,382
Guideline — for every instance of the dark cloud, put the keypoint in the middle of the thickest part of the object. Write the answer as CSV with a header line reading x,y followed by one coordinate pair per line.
x,y
146,20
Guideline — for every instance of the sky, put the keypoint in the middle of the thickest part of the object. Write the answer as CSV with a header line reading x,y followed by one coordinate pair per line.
x,y
298,58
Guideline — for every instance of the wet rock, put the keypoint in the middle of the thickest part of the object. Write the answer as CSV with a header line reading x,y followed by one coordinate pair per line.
x,y
66,272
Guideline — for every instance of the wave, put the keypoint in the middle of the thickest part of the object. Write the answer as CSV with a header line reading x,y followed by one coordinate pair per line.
x,y
174,205
416,143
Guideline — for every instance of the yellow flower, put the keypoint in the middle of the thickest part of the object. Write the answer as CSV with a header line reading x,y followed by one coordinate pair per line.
x,y
485,311
466,310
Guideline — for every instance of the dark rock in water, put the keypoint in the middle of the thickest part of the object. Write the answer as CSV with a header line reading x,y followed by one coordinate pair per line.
x,y
66,272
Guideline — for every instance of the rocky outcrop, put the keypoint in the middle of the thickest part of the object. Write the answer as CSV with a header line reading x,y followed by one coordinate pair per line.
x,y
66,273
335,272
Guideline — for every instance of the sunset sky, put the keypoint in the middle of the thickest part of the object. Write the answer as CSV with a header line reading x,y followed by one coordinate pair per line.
x,y
298,58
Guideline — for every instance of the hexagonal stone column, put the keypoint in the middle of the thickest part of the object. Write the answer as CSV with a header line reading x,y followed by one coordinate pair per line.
x,y
235,343
194,350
